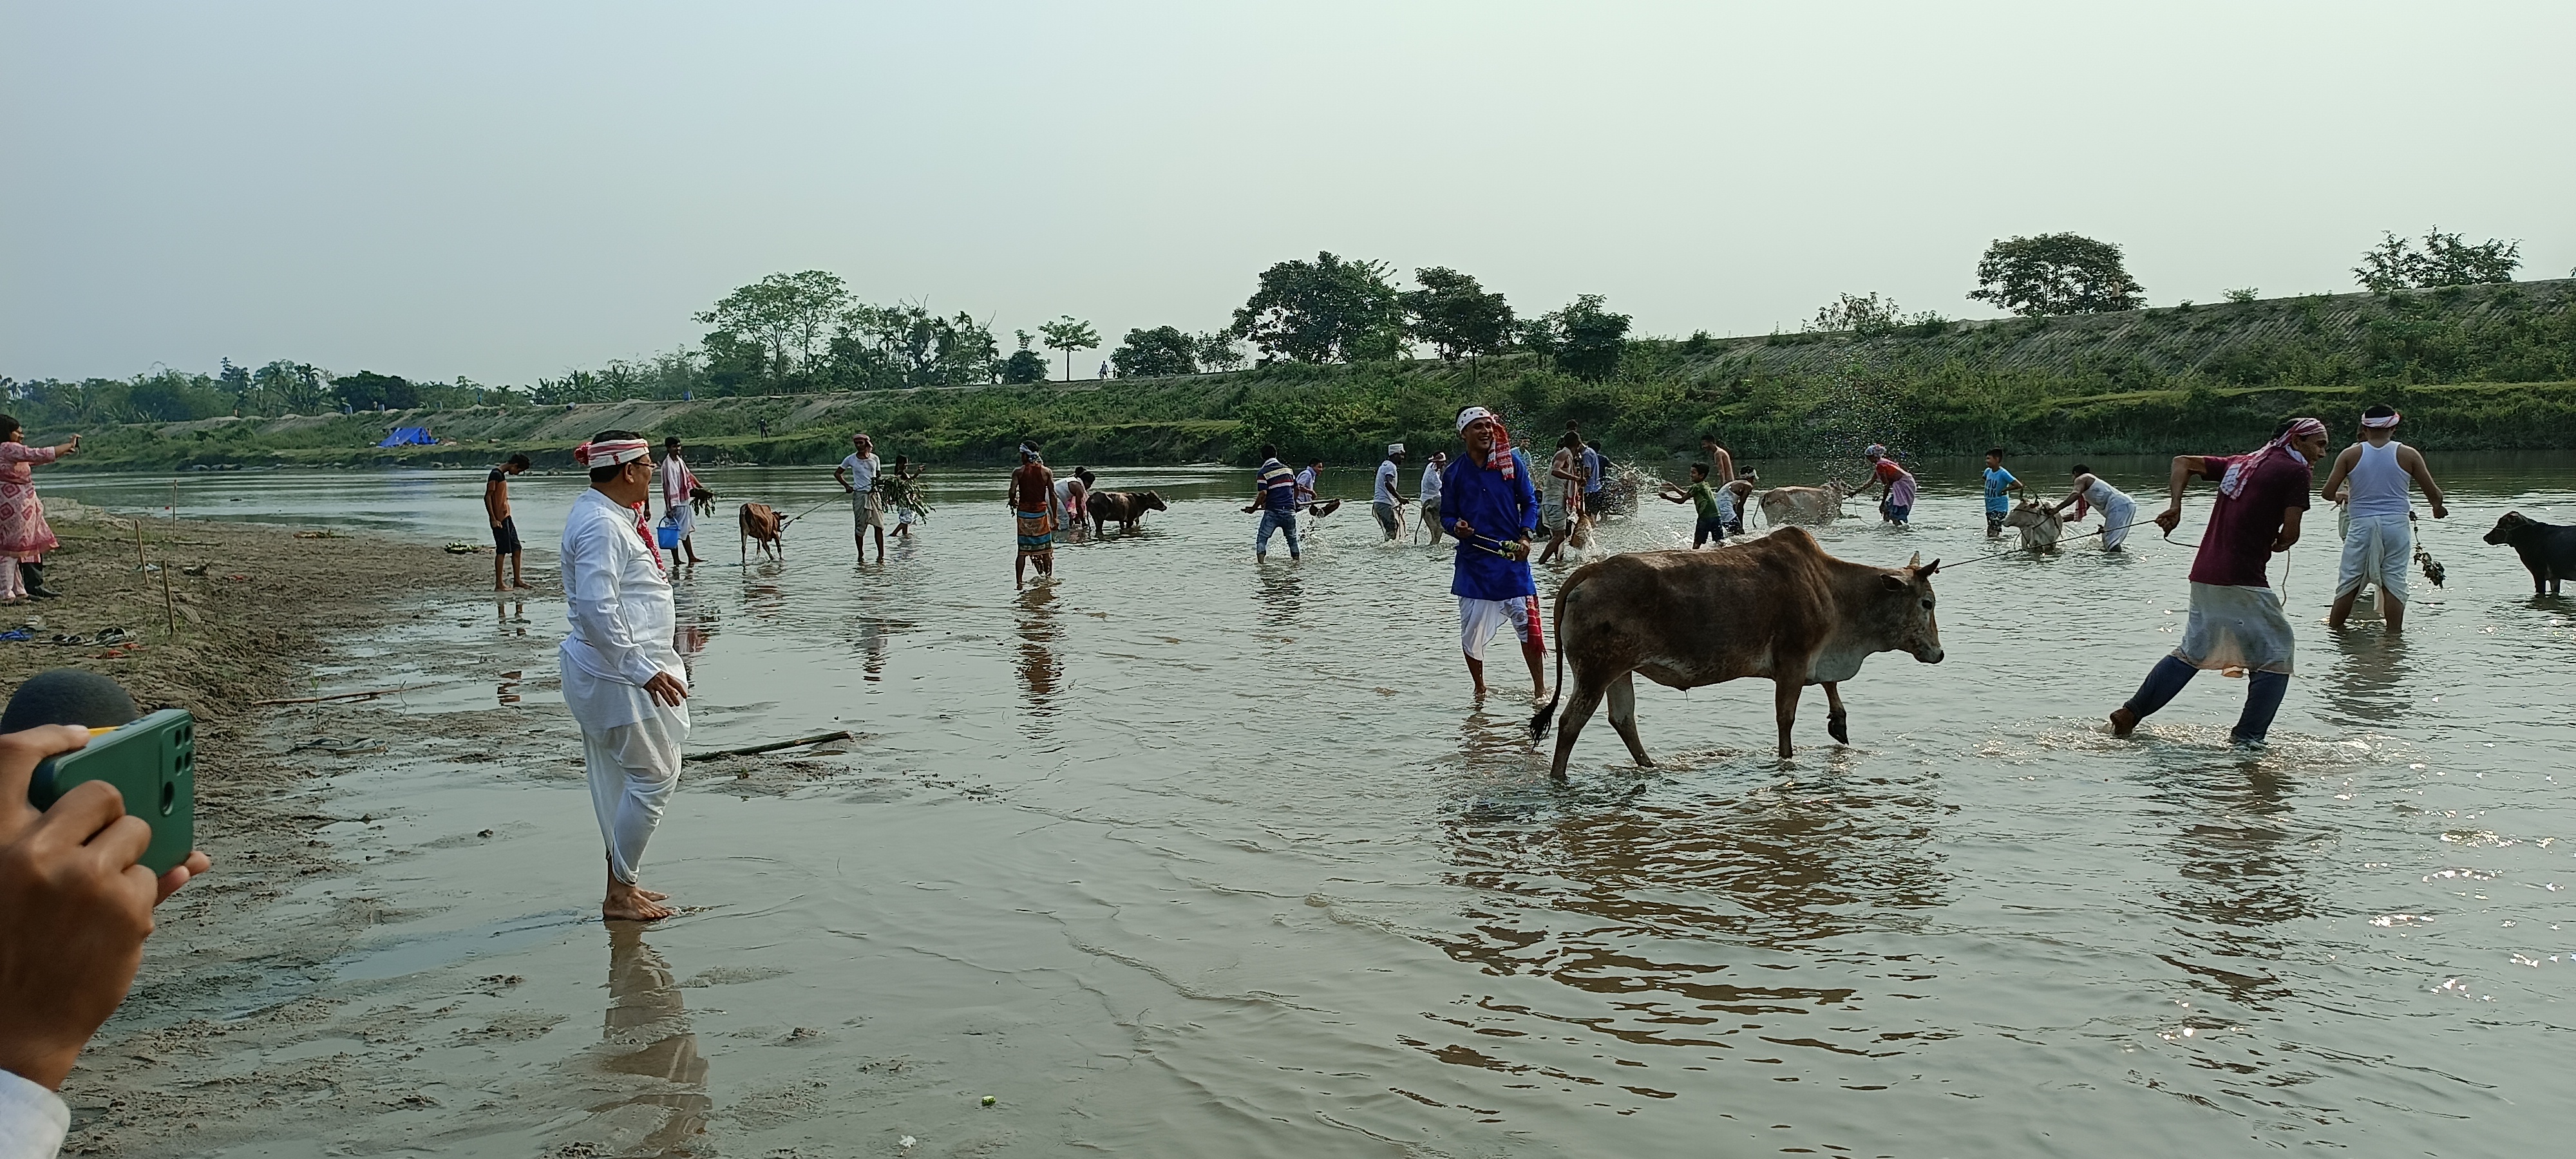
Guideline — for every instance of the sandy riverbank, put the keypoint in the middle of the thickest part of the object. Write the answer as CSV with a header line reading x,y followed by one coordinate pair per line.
x,y
246,1022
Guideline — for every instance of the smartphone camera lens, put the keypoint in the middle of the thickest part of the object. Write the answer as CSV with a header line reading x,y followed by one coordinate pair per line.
x,y
169,797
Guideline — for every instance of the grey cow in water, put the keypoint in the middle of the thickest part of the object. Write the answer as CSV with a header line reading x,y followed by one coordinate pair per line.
x,y
1776,608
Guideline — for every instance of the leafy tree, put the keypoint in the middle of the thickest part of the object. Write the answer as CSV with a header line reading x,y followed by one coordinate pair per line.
x,y
1068,335
2243,294
1327,310
1540,337
2445,260
1217,351
175,396
283,387
1866,316
234,381
1025,365
907,345
786,315
365,389
2056,273
1587,339
1161,352
1456,316
735,365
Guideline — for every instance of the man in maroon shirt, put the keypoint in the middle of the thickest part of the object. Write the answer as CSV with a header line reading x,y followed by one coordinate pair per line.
x,y
2236,619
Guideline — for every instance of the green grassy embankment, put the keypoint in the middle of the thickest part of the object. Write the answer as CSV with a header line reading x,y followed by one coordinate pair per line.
x,y
2482,367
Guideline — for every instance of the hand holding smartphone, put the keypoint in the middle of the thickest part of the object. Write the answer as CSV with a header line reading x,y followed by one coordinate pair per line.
x,y
152,762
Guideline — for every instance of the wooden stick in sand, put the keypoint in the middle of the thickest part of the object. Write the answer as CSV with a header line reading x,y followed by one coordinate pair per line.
x,y
324,699
773,746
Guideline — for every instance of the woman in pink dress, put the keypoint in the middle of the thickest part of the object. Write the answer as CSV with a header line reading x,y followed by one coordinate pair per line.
x,y
24,535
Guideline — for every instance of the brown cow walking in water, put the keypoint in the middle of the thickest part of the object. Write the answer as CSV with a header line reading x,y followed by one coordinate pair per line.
x,y
1777,607
761,525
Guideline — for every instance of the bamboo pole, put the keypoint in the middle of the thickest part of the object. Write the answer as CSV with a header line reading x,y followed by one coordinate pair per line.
x,y
773,746
336,696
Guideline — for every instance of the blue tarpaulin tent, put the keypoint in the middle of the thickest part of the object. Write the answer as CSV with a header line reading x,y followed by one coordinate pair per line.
x,y
409,437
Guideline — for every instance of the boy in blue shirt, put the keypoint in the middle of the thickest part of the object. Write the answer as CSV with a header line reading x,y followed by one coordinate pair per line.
x,y
1999,484
1486,501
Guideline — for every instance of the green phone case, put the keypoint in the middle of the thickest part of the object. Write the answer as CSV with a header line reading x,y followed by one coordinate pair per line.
x,y
153,762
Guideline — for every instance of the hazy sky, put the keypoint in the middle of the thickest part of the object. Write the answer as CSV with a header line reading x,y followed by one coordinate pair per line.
x,y
508,190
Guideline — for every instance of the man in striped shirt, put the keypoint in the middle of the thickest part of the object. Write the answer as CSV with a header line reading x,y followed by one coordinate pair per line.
x,y
1275,497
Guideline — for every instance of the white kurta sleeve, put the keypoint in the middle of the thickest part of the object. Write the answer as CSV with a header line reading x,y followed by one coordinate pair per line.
x,y
592,593
33,1120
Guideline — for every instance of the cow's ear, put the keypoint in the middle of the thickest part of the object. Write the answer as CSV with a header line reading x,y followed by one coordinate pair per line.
x,y
1925,572
1894,582
1917,561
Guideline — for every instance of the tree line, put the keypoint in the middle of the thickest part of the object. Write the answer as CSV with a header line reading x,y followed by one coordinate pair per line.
x,y
797,333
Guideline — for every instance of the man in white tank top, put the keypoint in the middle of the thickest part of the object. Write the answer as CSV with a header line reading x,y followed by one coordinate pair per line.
x,y
2378,540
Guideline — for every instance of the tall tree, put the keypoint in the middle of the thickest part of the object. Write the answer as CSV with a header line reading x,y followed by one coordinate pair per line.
x,y
1161,352
283,387
1456,315
2056,273
366,388
788,315
1217,352
2446,260
1588,338
1326,310
1024,365
1068,334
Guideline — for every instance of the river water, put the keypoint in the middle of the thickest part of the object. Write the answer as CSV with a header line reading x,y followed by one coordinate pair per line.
x,y
1184,856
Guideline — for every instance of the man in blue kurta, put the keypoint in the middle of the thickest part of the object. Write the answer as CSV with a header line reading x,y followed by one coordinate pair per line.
x,y
1486,501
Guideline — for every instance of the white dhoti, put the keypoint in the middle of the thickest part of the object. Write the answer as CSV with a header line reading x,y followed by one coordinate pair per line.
x,y
633,769
2117,517
2236,627
2376,550
623,621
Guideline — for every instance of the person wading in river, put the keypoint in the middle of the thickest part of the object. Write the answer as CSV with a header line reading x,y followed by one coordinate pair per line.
x,y
1895,484
1486,501
1032,501
1430,497
505,529
857,475
1388,501
2379,542
2119,512
677,486
622,682
1564,503
1274,495
2236,618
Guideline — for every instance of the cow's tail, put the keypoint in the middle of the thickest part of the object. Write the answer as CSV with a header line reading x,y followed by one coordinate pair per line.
x,y
1546,716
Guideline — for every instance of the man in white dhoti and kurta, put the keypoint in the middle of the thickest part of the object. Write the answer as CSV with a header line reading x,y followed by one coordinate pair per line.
x,y
622,680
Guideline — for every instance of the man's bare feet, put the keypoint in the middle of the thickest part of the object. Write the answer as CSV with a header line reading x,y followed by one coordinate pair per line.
x,y
527,586
629,903
2123,721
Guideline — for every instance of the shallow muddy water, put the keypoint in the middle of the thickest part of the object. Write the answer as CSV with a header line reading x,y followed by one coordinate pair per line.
x,y
1184,856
